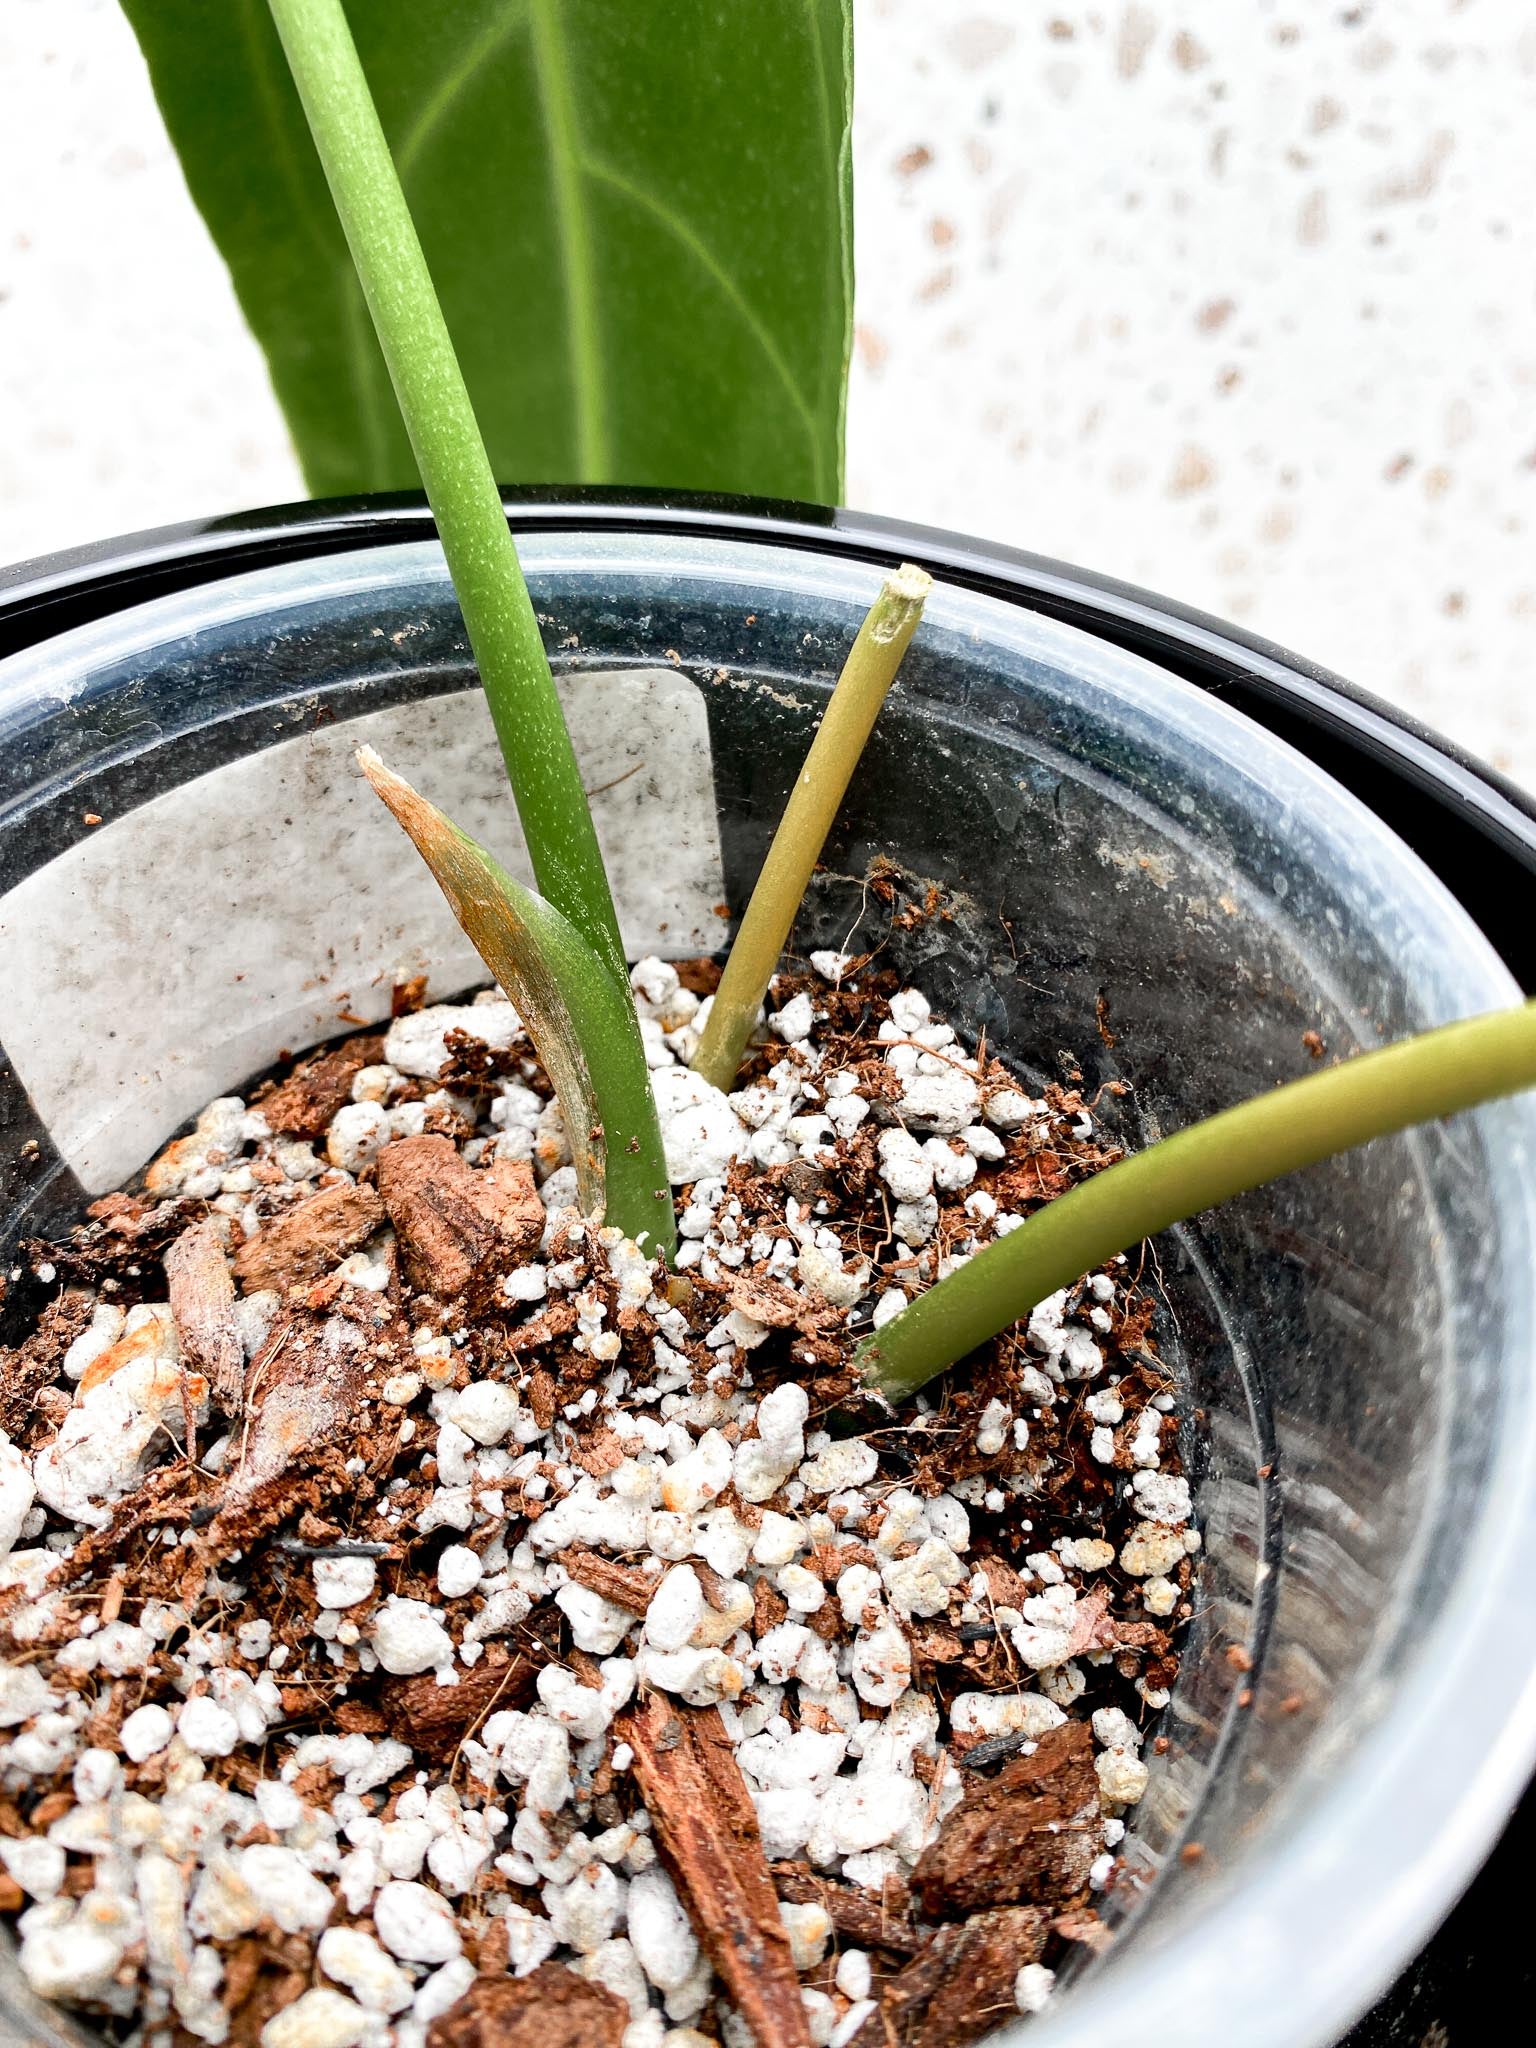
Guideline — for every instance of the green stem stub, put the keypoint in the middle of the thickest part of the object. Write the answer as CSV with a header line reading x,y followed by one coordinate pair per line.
x,y
1434,1074
841,737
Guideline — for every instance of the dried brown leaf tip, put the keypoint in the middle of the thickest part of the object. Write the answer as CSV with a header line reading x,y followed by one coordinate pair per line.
x,y
495,914
707,1835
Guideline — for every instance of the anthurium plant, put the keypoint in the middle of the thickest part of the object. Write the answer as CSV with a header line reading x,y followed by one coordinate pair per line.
x,y
530,97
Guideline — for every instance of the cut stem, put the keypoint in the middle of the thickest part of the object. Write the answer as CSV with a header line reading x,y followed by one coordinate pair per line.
x,y
1431,1075
460,486
834,753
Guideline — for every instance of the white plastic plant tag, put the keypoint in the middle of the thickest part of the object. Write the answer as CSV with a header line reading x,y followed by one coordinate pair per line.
x,y
268,904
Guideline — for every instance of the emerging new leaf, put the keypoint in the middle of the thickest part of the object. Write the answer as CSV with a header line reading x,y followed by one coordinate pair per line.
x,y
581,1022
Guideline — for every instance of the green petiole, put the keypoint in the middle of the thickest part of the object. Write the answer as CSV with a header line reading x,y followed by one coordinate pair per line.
x,y
455,469
845,727
1433,1074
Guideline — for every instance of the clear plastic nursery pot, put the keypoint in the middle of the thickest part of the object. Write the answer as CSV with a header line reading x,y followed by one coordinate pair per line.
x,y
1141,884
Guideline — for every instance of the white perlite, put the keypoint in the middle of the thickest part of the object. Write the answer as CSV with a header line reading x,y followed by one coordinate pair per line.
x,y
344,1581
789,1561
409,1636
700,1131
416,1924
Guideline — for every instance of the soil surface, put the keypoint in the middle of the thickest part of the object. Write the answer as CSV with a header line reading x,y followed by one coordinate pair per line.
x,y
428,1621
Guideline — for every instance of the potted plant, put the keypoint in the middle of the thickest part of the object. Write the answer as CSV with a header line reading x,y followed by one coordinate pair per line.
x,y
1087,788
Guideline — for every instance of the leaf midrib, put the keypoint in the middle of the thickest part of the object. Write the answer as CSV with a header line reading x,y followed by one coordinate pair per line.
x,y
594,452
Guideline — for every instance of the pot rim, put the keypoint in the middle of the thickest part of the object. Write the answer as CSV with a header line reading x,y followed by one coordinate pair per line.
x,y
1415,1835
1458,814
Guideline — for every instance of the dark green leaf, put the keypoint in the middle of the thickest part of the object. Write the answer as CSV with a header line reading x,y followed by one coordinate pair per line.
x,y
636,212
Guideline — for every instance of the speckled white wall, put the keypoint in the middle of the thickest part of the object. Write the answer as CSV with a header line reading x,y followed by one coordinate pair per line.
x,y
130,391
1227,297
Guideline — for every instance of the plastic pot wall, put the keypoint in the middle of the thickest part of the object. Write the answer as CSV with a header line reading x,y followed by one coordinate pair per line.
x,y
1141,885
